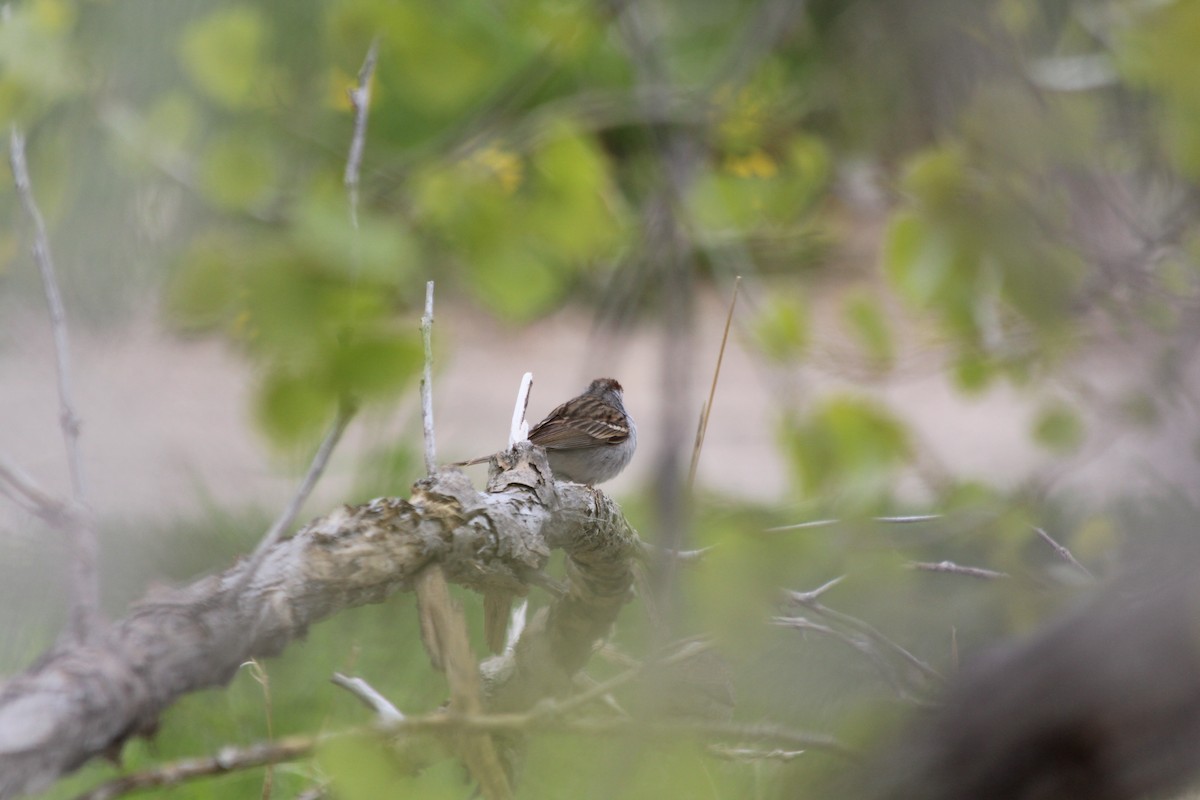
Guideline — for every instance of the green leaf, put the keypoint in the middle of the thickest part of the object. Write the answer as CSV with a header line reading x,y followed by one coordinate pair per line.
x,y
870,327
918,259
37,66
571,201
239,171
848,450
515,284
203,293
293,407
973,372
1159,53
1058,428
782,329
380,251
369,365
937,177
223,55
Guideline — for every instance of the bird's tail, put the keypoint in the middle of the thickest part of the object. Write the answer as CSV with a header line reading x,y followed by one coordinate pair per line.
x,y
471,463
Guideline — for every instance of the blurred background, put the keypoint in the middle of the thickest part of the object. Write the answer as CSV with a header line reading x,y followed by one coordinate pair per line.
x,y
968,246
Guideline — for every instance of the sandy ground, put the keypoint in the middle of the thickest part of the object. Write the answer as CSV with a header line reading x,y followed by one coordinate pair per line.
x,y
168,427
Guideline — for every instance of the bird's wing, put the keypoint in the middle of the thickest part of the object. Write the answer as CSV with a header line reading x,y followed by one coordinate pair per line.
x,y
558,432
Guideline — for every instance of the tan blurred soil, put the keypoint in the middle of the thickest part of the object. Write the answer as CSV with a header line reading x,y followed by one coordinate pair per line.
x,y
168,422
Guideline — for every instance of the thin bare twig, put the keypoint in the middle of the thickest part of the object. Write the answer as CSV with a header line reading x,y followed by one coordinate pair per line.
x,y
957,569
58,315
809,600
685,651
862,644
384,710
284,521
29,494
427,382
905,519
750,754
652,552
1063,553
228,759
712,391
85,581
360,101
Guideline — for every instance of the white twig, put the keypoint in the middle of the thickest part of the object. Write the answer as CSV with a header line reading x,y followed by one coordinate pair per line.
x,y
288,515
519,432
516,625
750,754
427,382
1063,553
652,552
85,581
821,523
811,595
958,569
371,698
360,101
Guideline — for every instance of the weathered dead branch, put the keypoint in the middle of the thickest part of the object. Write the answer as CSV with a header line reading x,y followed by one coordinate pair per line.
x,y
83,700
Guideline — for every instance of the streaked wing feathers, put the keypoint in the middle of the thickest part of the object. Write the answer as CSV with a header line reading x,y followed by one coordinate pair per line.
x,y
566,433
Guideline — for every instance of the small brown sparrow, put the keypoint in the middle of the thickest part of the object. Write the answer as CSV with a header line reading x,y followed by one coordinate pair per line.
x,y
588,439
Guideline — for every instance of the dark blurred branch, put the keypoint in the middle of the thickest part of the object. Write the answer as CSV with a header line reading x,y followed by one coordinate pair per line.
x,y
667,249
85,580
1103,704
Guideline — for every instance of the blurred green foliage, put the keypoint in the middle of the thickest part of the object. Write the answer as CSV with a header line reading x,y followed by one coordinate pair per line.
x,y
510,156
198,150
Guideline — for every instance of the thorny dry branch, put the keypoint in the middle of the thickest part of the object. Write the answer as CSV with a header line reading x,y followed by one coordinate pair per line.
x,y
546,718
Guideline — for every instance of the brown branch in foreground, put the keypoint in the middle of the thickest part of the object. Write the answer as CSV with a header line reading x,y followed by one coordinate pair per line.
x,y
228,759
85,580
445,632
84,699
